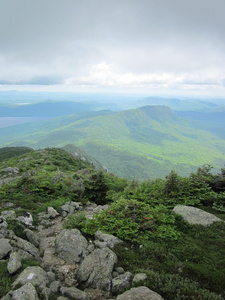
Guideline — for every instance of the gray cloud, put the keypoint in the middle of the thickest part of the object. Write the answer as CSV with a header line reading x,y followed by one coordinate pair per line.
x,y
136,43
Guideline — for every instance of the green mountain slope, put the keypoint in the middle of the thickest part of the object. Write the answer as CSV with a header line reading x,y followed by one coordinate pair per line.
x,y
141,143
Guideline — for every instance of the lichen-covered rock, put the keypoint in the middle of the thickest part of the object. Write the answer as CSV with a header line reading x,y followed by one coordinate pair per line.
x,y
70,244
5,247
52,213
73,293
26,246
121,283
32,237
109,239
139,278
138,293
34,275
195,216
26,219
26,292
96,269
14,263
8,214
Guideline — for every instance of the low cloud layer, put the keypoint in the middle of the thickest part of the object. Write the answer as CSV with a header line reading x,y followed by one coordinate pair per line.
x,y
145,45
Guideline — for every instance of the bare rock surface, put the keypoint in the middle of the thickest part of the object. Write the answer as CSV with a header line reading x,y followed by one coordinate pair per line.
x,y
5,247
14,263
139,293
195,216
34,275
96,269
70,244
26,292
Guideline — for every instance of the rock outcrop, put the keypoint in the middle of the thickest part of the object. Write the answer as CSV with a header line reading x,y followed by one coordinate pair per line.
x,y
70,266
195,216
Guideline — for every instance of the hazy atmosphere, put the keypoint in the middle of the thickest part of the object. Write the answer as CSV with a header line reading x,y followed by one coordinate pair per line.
x,y
144,46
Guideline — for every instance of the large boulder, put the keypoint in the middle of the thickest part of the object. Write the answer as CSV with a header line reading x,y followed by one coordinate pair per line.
x,y
70,245
14,263
32,237
21,244
26,292
96,269
195,216
5,247
141,292
34,275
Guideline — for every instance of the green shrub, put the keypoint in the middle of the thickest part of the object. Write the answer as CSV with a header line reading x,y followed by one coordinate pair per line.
x,y
134,221
76,220
6,280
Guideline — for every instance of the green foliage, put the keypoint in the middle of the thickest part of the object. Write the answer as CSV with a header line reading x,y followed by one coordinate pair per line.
x,y
17,227
135,221
75,221
5,279
175,287
8,152
29,262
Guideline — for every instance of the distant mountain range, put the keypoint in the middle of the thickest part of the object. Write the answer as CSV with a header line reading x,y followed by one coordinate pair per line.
x,y
144,143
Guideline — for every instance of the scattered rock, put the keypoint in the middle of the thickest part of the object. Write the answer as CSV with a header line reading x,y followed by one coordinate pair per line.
x,y
121,283
70,244
73,293
195,216
26,292
14,263
18,243
139,293
5,247
32,237
34,275
11,214
96,269
109,239
139,278
27,219
52,213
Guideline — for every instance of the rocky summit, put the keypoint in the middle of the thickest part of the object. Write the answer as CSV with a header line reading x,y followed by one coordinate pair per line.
x,y
68,265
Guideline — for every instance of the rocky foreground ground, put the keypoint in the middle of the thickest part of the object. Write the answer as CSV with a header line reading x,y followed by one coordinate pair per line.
x,y
70,266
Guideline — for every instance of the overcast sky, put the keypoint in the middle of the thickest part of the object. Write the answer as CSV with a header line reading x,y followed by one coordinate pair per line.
x,y
150,46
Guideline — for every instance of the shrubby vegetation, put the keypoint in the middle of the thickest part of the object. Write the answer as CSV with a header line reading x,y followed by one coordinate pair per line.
x,y
181,261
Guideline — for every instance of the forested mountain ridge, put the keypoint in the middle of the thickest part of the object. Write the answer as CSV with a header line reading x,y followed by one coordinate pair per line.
x,y
180,260
146,142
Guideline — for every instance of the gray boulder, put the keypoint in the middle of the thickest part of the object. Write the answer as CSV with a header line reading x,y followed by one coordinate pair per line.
x,y
25,246
96,269
34,275
73,293
52,213
14,263
109,239
27,219
70,245
138,293
139,278
195,216
5,247
121,283
8,214
32,237
26,292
